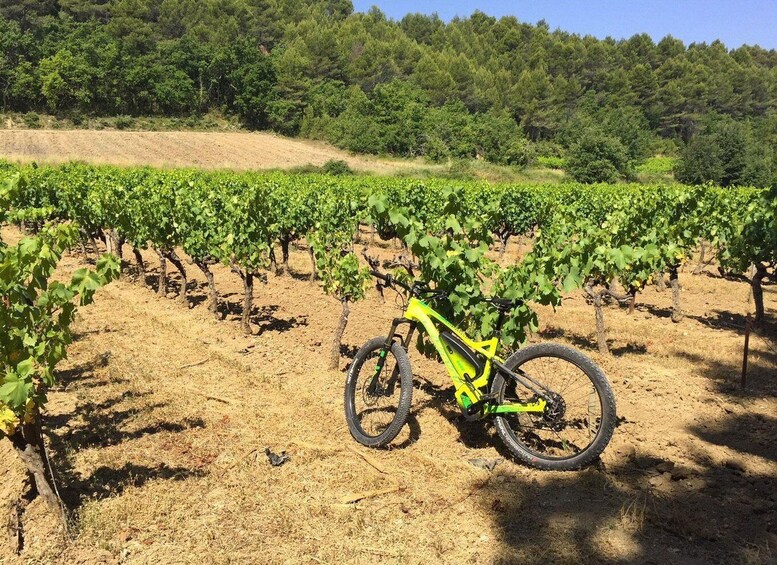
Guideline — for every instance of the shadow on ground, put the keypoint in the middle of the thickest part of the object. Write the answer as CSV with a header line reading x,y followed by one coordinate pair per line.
x,y
588,344
123,417
646,509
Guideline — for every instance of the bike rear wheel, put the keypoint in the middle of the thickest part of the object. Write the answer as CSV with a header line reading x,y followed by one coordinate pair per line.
x,y
377,404
575,428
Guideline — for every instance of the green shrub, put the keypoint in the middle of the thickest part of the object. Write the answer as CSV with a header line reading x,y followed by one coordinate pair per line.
x,y
597,157
436,150
700,161
659,165
32,120
124,122
76,117
551,162
519,152
460,169
336,167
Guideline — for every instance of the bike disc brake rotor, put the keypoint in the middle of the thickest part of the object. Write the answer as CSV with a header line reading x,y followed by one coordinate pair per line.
x,y
372,398
554,412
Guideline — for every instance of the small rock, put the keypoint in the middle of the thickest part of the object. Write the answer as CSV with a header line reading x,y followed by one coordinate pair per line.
x,y
661,482
487,464
680,472
734,466
276,460
665,466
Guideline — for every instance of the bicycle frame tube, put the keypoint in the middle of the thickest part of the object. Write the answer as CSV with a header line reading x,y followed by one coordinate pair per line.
x,y
467,386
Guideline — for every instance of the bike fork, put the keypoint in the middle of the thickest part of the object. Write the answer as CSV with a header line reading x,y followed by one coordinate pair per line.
x,y
392,336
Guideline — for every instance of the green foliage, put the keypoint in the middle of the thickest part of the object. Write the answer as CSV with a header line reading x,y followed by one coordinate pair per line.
x,y
248,224
418,86
551,162
339,269
32,120
451,249
518,152
252,80
752,238
36,313
336,167
597,157
658,165
700,162
583,235
66,80
728,153
124,122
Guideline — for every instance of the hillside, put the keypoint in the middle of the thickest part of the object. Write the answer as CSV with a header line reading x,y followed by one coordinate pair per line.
x,y
209,150
500,89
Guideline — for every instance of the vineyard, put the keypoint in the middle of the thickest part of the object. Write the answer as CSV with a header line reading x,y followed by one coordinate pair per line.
x,y
610,240
607,243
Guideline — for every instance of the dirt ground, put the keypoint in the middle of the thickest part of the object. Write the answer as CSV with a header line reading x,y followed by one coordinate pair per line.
x,y
227,150
158,430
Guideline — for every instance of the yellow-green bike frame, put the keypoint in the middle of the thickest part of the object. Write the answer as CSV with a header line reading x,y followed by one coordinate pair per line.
x,y
471,393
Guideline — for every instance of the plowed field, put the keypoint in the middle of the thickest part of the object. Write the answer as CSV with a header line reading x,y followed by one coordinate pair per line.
x,y
233,150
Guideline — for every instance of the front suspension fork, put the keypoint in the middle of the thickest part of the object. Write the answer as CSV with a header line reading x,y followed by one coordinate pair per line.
x,y
392,336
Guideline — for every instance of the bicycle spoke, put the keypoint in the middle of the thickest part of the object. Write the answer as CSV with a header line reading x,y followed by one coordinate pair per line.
x,y
376,400
565,428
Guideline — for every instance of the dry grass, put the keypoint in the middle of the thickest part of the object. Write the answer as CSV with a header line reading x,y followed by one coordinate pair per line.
x,y
235,150
211,150
162,455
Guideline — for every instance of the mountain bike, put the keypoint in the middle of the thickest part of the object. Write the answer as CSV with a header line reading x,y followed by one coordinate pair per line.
x,y
551,405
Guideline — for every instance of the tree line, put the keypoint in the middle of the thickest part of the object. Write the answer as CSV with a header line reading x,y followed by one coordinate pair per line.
x,y
498,89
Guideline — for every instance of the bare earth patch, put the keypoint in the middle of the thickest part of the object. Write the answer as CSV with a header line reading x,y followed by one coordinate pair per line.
x,y
159,427
211,150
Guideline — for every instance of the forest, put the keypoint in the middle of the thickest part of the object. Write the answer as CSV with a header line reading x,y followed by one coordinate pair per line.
x,y
502,90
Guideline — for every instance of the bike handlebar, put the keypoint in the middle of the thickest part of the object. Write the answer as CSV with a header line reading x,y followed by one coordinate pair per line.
x,y
420,289
417,289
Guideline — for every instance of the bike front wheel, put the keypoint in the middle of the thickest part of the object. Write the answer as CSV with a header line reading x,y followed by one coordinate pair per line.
x,y
575,427
377,403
